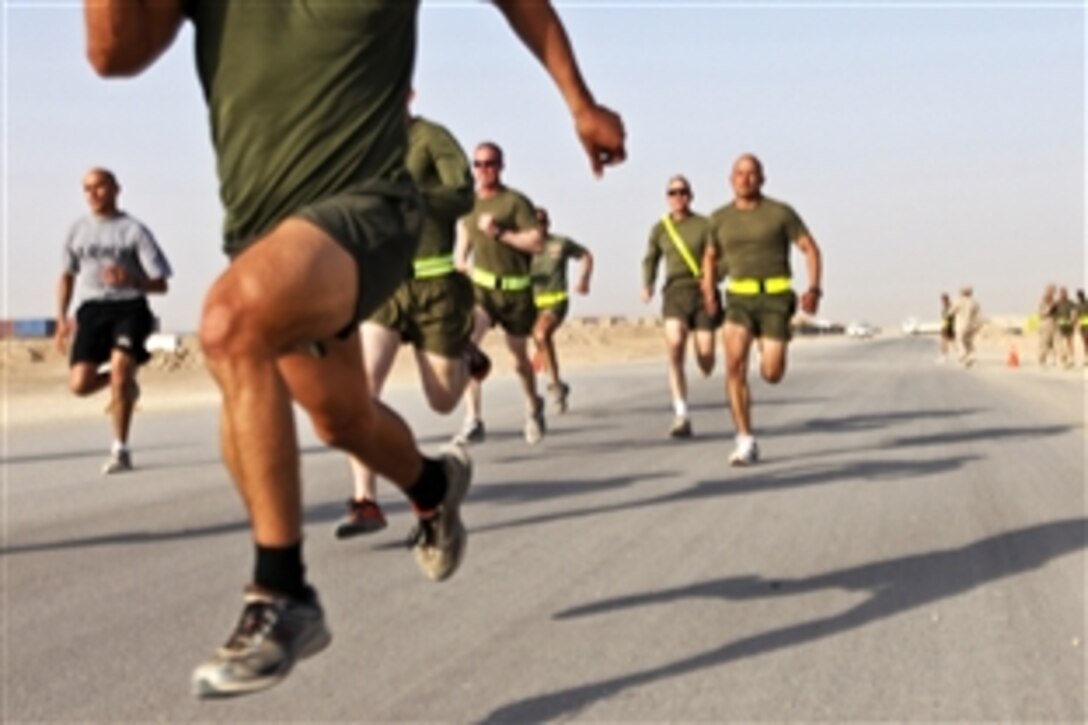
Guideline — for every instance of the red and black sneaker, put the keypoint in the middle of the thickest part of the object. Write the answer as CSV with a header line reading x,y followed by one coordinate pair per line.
x,y
479,364
363,517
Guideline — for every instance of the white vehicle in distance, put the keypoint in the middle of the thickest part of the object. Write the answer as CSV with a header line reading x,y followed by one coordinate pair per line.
x,y
860,330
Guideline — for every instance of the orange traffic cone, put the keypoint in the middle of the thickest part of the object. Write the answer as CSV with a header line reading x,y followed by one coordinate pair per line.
x,y
1014,357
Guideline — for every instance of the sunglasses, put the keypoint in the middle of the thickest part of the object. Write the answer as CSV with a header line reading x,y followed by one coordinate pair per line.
x,y
679,192
486,164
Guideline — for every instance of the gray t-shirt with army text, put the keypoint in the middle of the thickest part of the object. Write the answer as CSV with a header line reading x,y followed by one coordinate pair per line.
x,y
95,243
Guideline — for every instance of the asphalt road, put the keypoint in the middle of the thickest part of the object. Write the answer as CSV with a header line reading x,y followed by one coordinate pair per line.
x,y
912,548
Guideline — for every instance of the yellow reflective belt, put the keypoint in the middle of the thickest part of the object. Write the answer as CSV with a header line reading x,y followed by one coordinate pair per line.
x,y
754,286
1084,320
547,299
678,242
508,284
429,267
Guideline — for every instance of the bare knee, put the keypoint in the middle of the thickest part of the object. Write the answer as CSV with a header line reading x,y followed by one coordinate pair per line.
x,y
442,400
229,324
774,375
81,383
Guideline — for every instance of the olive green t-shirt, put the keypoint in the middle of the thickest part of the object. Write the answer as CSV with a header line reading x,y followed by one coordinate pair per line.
x,y
549,267
756,242
1064,310
439,167
694,231
512,212
306,99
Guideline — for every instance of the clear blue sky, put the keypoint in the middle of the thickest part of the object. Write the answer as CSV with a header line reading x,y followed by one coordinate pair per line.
x,y
927,144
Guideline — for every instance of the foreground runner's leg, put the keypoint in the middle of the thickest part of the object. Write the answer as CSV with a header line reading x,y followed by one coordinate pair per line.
x,y
737,341
544,340
535,425
676,338
473,431
295,286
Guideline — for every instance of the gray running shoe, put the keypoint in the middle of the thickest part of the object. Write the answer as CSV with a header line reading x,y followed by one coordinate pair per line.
x,y
118,462
681,427
560,393
273,633
471,432
535,425
440,543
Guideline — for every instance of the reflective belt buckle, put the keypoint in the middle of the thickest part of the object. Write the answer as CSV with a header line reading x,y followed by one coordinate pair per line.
x,y
755,286
548,299
484,278
514,284
429,267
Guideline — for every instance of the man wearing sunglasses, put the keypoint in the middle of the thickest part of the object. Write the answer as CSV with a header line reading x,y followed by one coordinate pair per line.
x,y
755,234
501,235
322,223
681,238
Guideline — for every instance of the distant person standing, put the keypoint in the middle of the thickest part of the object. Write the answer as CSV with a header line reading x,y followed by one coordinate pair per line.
x,y
680,238
755,234
116,262
948,327
501,235
549,273
1082,322
1048,324
968,321
1066,313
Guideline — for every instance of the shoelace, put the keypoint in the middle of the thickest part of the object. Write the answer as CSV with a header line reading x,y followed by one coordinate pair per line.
x,y
257,621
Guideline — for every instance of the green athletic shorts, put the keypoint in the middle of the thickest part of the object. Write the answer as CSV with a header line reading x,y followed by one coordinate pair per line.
x,y
434,315
515,312
378,223
558,311
763,315
684,301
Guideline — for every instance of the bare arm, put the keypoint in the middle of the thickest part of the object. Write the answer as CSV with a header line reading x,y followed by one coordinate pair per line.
x,y
582,287
463,248
524,240
64,298
709,281
126,36
810,300
541,31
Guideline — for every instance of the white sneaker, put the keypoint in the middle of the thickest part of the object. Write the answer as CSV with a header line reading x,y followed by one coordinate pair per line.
x,y
745,454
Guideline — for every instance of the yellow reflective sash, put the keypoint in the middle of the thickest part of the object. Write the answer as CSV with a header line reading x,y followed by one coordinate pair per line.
x,y
678,242
491,280
754,286
429,267
549,299
1084,320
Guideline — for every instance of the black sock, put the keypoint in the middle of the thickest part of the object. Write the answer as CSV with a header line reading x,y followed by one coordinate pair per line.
x,y
430,488
280,569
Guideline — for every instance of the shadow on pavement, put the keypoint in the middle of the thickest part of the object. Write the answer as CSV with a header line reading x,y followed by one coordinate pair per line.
x,y
896,585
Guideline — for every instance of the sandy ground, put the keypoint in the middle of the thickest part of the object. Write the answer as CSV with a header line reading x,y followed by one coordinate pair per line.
x,y
34,375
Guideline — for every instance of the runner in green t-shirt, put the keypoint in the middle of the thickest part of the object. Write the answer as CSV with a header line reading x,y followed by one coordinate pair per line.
x,y
432,311
948,328
501,236
755,234
549,272
322,224
681,238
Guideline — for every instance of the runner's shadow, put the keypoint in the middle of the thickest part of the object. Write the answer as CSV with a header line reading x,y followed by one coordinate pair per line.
x,y
895,585
755,482
978,434
863,422
321,513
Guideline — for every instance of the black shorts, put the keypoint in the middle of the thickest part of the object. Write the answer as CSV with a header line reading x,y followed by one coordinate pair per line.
x,y
104,326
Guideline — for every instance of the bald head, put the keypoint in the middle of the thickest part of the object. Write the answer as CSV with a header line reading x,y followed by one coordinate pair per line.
x,y
747,178
100,189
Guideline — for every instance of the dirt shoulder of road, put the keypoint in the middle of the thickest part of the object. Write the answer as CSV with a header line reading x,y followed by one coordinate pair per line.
x,y
34,374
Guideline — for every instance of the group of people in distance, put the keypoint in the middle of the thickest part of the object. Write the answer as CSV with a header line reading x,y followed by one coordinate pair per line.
x,y
341,229
1059,319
